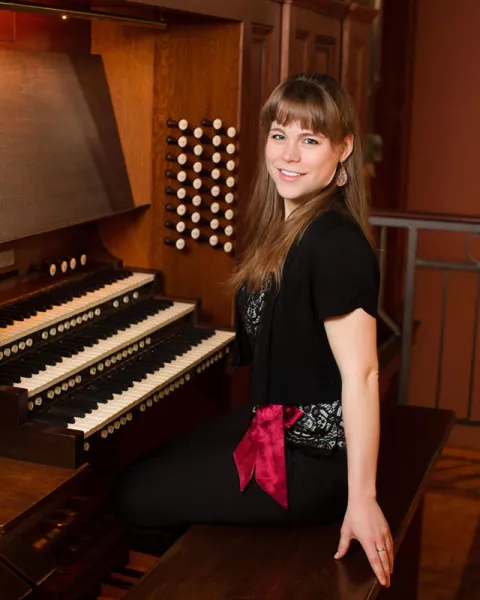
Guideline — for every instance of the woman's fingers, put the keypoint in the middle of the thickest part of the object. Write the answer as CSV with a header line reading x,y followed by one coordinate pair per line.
x,y
390,550
384,555
379,563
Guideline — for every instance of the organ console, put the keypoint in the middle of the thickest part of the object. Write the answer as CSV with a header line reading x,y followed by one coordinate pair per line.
x,y
97,357
125,347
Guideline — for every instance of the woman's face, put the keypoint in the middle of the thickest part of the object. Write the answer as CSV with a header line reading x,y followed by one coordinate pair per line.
x,y
301,162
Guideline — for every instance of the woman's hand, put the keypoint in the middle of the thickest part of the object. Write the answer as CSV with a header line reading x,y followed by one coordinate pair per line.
x,y
364,522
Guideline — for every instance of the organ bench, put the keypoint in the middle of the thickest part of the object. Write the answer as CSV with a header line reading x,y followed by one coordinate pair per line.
x,y
296,563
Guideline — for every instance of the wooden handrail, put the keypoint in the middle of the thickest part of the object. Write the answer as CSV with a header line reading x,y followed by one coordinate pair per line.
x,y
430,216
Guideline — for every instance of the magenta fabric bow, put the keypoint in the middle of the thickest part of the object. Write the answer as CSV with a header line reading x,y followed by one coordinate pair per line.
x,y
262,450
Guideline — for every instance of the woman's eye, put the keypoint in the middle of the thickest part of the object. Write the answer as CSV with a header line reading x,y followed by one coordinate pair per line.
x,y
278,136
310,141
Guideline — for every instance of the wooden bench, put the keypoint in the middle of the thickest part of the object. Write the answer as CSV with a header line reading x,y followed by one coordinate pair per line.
x,y
296,563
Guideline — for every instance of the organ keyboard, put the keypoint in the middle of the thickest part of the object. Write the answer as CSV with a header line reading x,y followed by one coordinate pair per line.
x,y
37,319
99,350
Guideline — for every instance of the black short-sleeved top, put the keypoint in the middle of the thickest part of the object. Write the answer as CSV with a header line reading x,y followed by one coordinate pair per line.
x,y
331,271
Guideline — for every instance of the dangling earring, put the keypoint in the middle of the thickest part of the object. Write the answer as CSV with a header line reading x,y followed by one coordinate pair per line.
x,y
342,176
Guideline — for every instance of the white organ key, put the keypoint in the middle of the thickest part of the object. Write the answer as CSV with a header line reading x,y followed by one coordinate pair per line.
x,y
140,391
69,366
90,300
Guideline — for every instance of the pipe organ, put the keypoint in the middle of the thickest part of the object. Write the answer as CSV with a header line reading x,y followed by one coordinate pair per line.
x,y
129,140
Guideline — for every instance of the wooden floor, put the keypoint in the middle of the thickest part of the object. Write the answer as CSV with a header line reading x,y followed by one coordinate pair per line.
x,y
450,566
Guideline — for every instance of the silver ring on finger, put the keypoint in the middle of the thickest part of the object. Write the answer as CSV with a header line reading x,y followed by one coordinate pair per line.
x,y
382,549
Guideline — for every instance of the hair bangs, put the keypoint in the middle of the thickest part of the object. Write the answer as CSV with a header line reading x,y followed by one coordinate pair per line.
x,y
297,103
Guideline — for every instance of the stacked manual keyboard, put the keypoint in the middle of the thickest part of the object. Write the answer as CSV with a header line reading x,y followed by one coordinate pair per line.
x,y
80,361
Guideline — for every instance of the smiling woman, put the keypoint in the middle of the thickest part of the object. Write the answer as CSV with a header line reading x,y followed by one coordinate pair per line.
x,y
312,164
306,159
307,288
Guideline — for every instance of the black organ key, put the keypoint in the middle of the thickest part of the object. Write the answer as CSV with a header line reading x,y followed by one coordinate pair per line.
x,y
81,403
65,293
54,420
86,407
78,340
64,411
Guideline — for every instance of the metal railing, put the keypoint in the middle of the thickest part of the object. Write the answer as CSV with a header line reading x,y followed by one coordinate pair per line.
x,y
413,224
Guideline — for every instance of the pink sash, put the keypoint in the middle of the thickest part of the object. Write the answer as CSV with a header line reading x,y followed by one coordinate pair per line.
x,y
262,450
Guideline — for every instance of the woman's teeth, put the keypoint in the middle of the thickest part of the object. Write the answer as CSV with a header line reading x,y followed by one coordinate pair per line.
x,y
289,173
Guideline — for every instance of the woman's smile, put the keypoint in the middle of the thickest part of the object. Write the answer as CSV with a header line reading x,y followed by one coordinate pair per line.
x,y
288,175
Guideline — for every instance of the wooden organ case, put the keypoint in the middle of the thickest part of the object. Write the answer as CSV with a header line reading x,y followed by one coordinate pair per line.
x,y
128,137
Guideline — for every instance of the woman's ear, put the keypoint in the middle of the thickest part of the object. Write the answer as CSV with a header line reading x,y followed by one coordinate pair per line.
x,y
347,147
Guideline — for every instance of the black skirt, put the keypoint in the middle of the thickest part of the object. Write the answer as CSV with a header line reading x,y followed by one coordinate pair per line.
x,y
193,479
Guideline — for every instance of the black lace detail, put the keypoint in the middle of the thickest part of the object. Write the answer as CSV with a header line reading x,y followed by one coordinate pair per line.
x,y
321,425
251,307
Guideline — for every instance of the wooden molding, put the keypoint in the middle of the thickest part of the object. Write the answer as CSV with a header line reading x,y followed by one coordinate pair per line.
x,y
336,9
359,12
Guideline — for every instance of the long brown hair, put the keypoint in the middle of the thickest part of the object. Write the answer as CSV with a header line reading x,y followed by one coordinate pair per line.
x,y
320,104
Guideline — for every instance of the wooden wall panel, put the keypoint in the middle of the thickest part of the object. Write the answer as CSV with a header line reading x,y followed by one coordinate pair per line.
x,y
261,74
324,58
311,41
356,57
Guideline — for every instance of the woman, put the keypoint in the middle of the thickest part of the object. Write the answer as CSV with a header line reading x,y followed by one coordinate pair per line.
x,y
307,288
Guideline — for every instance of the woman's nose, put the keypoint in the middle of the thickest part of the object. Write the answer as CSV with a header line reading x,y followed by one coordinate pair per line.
x,y
291,152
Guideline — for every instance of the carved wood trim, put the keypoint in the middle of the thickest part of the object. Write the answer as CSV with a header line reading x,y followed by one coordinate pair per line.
x,y
329,46
336,9
359,12
261,34
285,49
